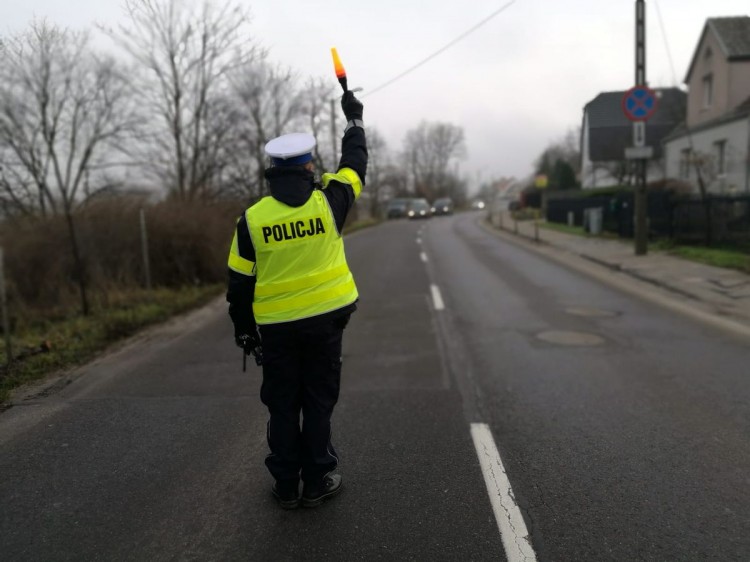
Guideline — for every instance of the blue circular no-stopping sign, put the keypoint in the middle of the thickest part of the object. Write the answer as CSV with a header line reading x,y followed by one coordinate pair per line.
x,y
639,103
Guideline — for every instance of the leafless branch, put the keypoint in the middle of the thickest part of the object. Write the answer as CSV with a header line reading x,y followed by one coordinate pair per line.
x,y
187,54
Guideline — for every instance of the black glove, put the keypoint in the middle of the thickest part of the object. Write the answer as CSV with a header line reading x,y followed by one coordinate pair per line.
x,y
352,107
248,342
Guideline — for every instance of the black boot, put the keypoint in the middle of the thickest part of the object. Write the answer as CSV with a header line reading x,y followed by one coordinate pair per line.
x,y
314,495
286,493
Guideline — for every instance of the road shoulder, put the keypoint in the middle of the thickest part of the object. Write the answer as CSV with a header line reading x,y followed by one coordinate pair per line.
x,y
626,281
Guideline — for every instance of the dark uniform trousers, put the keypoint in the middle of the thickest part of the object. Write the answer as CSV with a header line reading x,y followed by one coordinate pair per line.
x,y
301,373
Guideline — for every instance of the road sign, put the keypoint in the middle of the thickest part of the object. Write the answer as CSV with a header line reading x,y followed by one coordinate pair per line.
x,y
639,103
639,133
639,152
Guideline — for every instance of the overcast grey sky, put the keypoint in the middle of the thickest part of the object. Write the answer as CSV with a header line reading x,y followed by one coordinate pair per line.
x,y
515,84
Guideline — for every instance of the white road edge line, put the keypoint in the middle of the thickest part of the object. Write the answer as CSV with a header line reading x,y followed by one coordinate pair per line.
x,y
437,299
516,540
423,257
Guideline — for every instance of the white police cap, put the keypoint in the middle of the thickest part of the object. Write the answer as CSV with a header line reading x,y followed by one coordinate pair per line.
x,y
291,147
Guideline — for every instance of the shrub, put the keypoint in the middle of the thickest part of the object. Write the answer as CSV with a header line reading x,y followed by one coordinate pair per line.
x,y
188,245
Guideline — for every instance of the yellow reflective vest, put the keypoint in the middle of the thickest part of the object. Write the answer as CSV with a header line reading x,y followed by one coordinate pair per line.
x,y
300,265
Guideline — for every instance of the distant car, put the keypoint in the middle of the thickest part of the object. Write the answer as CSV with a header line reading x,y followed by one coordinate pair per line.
x,y
396,208
477,205
443,206
419,209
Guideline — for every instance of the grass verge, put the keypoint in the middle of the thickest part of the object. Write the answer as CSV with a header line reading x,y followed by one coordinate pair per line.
x,y
76,339
731,258
559,227
579,231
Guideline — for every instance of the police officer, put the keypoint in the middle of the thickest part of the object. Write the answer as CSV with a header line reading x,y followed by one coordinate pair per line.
x,y
289,280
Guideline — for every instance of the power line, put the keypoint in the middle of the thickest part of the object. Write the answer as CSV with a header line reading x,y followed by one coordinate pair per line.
x,y
666,43
445,48
688,132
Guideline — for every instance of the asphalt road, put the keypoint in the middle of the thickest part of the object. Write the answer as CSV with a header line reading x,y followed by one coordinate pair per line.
x,y
623,428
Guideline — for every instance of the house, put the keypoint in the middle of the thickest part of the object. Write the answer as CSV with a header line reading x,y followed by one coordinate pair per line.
x,y
606,132
715,138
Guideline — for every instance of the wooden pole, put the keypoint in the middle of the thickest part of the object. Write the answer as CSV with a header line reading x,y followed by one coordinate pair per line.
x,y
4,309
144,250
639,130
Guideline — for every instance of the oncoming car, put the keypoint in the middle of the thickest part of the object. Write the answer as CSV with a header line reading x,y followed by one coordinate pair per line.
x,y
443,206
397,208
419,209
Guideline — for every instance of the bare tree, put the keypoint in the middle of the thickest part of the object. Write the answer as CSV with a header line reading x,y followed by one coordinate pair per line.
x,y
62,112
706,172
565,149
187,55
18,193
622,170
396,181
317,96
266,101
377,165
430,150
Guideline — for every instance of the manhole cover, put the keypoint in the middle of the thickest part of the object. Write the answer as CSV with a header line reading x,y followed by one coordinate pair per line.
x,y
590,312
561,337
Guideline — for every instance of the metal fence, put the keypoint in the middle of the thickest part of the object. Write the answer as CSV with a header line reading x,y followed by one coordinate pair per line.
x,y
681,218
729,220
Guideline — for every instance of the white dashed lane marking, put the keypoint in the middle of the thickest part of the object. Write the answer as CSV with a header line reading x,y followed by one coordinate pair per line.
x,y
423,257
437,298
516,540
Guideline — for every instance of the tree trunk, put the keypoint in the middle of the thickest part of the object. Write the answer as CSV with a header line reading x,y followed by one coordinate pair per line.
x,y
709,239
78,262
705,199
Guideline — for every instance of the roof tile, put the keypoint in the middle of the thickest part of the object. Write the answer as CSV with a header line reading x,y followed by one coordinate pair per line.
x,y
734,35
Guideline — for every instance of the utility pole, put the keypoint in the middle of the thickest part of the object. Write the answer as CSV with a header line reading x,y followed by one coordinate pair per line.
x,y
144,250
639,134
4,313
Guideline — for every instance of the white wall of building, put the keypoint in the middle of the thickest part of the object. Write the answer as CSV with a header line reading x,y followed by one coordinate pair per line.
x,y
596,174
733,179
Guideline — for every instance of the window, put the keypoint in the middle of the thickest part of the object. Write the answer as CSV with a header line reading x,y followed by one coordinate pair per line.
x,y
708,91
720,153
685,163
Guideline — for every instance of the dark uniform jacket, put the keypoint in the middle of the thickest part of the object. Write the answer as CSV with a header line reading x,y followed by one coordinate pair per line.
x,y
293,186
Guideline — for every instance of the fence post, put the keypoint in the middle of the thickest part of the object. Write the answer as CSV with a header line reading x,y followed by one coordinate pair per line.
x,y
144,249
4,310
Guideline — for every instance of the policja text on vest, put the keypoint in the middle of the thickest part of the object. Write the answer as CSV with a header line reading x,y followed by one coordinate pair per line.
x,y
293,230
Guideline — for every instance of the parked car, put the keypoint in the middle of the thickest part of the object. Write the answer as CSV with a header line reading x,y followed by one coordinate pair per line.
x,y
442,206
419,209
396,208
